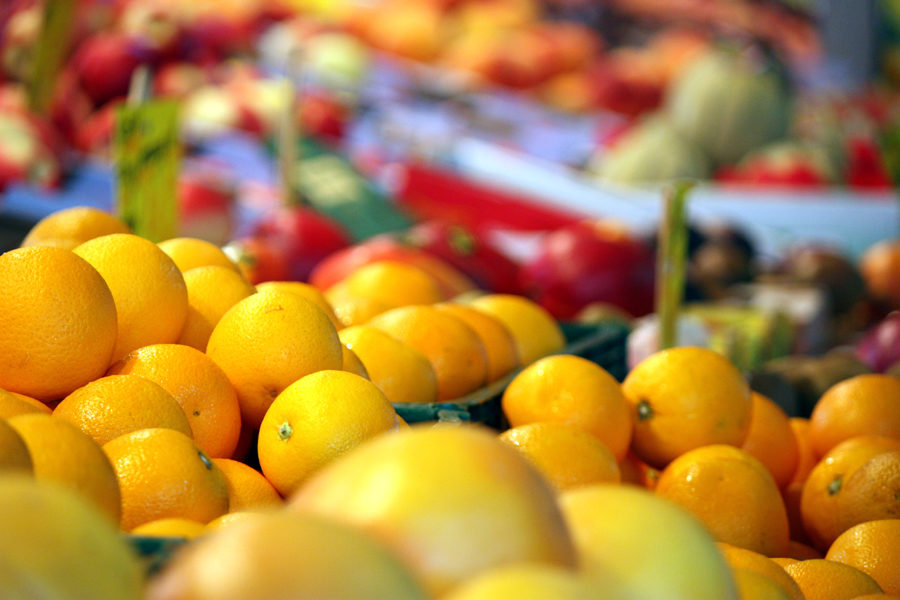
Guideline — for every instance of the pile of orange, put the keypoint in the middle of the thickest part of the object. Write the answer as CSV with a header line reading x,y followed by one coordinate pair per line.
x,y
152,389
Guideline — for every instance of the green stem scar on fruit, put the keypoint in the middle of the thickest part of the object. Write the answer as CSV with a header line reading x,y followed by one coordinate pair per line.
x,y
835,486
285,431
644,410
205,459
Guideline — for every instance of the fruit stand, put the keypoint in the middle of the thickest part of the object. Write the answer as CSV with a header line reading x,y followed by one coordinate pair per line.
x,y
449,299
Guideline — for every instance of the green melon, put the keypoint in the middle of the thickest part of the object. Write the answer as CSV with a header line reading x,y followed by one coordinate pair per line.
x,y
728,105
652,152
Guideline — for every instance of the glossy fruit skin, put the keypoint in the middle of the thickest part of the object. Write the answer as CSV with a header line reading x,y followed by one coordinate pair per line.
x,y
304,236
880,347
469,252
589,262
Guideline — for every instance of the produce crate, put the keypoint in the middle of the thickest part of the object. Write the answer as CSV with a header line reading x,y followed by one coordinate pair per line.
x,y
603,344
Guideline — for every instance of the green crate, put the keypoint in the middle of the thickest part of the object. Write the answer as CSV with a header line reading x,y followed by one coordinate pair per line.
x,y
602,343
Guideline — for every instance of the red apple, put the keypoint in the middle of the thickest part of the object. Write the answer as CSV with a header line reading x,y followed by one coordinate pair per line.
x,y
71,107
105,63
205,207
94,134
590,261
880,348
258,259
323,116
339,265
472,255
305,236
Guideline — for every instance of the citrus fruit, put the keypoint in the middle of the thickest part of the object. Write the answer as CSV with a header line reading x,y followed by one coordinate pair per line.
x,y
400,371
247,488
535,333
117,404
753,585
821,579
872,492
771,440
825,485
352,364
148,289
230,518
873,548
785,561
316,419
452,348
498,344
162,473
861,405
535,582
353,310
14,454
304,290
71,226
268,341
211,292
436,497
392,284
170,527
741,558
58,545
189,253
12,405
637,472
685,398
198,385
57,322
614,528
573,390
806,456
801,551
283,556
712,480
566,455
61,453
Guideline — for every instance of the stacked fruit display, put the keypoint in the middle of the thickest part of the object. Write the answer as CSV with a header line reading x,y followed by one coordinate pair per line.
x,y
149,389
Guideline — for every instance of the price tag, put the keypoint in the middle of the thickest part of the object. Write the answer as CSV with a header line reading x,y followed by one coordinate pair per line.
x,y
50,50
147,154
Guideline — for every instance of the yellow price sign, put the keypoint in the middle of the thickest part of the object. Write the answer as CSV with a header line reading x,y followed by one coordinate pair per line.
x,y
147,153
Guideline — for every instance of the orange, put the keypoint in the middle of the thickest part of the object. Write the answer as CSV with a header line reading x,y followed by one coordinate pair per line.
x,y
861,405
451,501
198,385
828,580
499,348
573,390
655,549
162,473
57,322
352,364
565,454
58,545
783,561
801,551
354,310
211,292
71,226
14,454
230,518
189,253
267,342
872,492
171,527
117,404
771,440
315,420
400,371
637,472
452,348
12,405
536,582
824,486
756,586
873,548
535,333
61,453
392,284
149,291
806,457
741,558
304,290
685,398
711,481
247,488
284,555
877,597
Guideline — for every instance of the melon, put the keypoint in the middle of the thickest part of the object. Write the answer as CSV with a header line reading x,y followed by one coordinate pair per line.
x,y
651,152
729,104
